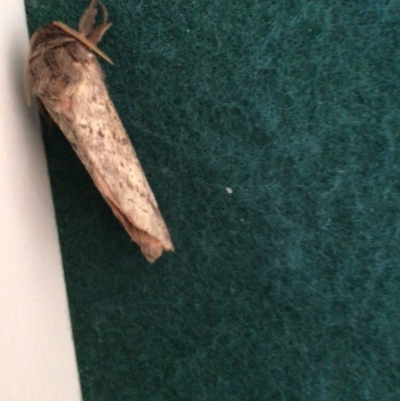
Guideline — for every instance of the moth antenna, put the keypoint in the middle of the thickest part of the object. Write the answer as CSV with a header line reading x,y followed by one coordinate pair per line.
x,y
88,19
104,12
98,32
82,39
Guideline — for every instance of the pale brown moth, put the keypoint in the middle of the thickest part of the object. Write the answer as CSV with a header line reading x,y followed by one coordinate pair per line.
x,y
63,73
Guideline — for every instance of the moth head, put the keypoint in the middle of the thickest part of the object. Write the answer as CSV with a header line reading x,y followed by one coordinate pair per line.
x,y
49,38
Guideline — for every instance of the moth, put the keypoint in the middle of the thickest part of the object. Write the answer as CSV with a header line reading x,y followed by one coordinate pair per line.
x,y
64,75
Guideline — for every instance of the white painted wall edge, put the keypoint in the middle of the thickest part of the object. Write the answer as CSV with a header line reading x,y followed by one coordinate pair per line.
x,y
37,357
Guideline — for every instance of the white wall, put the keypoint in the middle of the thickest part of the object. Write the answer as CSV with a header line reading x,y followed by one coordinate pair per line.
x,y
37,359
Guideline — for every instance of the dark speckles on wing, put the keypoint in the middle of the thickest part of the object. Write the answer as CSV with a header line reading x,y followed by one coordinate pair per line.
x,y
114,166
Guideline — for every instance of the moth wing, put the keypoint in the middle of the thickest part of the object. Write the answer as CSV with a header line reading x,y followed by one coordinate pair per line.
x,y
104,147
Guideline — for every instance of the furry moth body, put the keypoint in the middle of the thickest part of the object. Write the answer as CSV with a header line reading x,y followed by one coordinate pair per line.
x,y
63,73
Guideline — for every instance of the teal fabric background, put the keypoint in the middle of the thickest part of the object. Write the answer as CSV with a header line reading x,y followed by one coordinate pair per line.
x,y
288,288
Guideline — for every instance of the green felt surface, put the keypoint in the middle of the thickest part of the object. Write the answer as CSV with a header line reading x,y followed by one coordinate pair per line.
x,y
289,287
